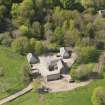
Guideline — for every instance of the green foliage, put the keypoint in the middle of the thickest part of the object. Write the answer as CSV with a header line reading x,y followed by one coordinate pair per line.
x,y
14,11
26,74
68,4
98,97
58,36
26,9
82,72
5,39
87,3
24,30
1,71
32,44
39,48
53,47
2,11
36,30
87,54
21,45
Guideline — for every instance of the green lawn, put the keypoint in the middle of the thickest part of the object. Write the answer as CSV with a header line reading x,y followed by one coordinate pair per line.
x,y
11,81
28,99
80,96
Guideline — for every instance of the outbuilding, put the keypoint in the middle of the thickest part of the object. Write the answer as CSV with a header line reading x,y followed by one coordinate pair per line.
x,y
101,13
32,58
64,53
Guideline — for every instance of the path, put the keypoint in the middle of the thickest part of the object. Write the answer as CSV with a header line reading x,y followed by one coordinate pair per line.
x,y
61,85
18,94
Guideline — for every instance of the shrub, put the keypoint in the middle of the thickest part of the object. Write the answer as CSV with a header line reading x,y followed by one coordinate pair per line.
x,y
53,47
32,44
26,76
1,71
39,48
24,30
5,39
21,45
98,97
87,54
82,72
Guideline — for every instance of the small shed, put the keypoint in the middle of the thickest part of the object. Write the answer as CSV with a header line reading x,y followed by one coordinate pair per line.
x,y
64,53
101,13
32,58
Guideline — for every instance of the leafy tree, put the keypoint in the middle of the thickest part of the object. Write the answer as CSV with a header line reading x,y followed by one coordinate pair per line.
x,y
26,76
90,31
98,97
58,36
49,35
21,45
24,30
87,54
39,48
24,13
67,4
26,9
48,31
5,39
32,44
14,11
53,47
1,71
3,10
71,38
87,3
48,26
36,30
82,72
40,3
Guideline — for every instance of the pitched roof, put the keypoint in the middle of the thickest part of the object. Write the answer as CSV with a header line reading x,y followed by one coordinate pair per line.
x,y
64,53
32,58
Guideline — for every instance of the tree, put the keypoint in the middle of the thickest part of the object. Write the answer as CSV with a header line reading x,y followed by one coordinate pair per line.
x,y
58,36
40,3
21,45
71,34
36,30
3,11
1,71
5,39
87,3
98,97
90,31
26,9
26,75
14,11
32,44
48,31
24,13
82,72
39,48
87,54
67,4
71,38
24,30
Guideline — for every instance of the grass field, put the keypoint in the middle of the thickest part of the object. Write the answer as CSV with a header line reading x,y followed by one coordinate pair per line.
x,y
28,99
11,63
13,82
80,96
